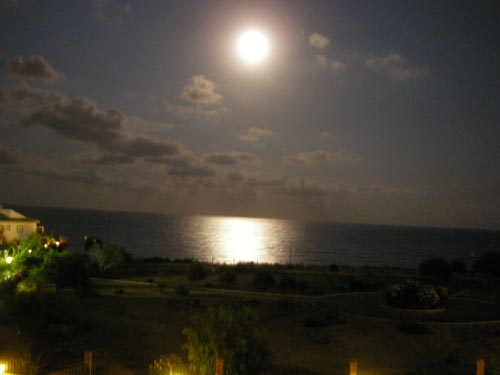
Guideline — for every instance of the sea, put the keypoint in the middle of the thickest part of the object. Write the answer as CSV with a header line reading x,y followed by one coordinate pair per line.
x,y
261,240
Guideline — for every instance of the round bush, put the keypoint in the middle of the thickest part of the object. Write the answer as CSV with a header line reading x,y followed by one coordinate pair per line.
x,y
263,280
413,294
227,278
197,272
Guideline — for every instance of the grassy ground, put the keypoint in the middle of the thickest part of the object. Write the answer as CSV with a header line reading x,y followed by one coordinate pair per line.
x,y
338,317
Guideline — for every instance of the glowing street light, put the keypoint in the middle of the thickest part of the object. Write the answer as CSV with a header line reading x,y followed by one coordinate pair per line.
x,y
9,261
2,368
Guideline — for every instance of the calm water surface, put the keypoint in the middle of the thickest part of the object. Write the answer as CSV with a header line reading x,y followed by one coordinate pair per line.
x,y
233,239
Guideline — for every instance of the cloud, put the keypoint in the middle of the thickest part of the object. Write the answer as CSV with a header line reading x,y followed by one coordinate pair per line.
x,y
184,165
200,90
255,134
105,10
230,158
8,156
318,41
193,110
35,68
24,97
113,159
80,119
335,66
320,157
235,178
325,135
395,66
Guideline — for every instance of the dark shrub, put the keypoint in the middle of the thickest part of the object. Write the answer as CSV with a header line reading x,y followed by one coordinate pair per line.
x,y
302,286
333,268
181,290
227,278
438,268
458,266
413,294
66,270
197,271
263,280
287,283
488,263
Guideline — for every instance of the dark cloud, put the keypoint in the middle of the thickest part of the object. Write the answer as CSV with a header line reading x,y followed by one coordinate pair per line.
x,y
192,170
230,158
319,157
395,66
113,159
200,90
26,96
235,178
8,156
255,134
80,119
35,68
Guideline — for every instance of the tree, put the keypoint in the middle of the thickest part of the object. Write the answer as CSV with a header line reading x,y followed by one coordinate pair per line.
x,y
233,333
436,267
488,263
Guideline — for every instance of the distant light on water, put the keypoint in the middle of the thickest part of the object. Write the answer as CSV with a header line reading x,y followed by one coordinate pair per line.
x,y
241,239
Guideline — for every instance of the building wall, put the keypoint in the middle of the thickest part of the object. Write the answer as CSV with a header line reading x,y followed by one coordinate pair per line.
x,y
11,230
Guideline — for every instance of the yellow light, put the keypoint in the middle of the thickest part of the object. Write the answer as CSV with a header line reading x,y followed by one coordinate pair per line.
x,y
30,251
57,243
46,245
2,368
9,261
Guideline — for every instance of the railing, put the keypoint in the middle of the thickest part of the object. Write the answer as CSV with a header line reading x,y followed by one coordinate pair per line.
x,y
110,364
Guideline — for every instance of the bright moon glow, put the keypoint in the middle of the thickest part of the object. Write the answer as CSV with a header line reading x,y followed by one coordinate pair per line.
x,y
253,46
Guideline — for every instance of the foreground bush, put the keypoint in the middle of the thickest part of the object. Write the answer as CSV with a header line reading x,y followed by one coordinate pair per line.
x,y
413,294
233,333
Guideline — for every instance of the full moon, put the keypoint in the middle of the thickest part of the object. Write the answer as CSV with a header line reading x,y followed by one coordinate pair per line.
x,y
253,46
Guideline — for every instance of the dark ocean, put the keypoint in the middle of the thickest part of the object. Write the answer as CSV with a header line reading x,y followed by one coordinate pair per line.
x,y
234,239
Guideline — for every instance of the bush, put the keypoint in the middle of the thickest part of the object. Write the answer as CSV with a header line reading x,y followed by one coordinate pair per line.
x,y
263,280
458,266
436,268
333,268
287,283
233,333
65,270
109,257
197,271
227,279
488,264
413,294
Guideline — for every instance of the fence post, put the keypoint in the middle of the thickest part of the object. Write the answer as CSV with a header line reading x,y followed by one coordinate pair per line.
x,y
353,367
480,367
87,362
219,366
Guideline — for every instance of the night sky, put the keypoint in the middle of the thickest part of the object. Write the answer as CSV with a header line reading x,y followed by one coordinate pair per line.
x,y
382,112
